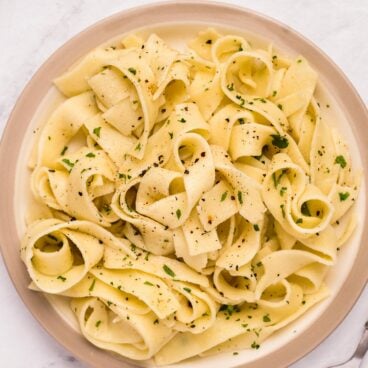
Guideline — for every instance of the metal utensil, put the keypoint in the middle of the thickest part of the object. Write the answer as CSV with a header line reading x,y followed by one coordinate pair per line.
x,y
356,359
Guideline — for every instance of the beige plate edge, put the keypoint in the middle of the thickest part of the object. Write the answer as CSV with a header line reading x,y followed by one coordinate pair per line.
x,y
121,22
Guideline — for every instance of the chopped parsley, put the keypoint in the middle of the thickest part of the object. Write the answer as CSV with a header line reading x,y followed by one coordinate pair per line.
x,y
178,213
344,196
282,206
305,209
230,87
241,99
92,285
124,176
138,147
171,134
187,290
168,270
229,309
62,278
148,283
90,154
279,141
276,181
299,221
266,318
182,120
223,196
256,227
64,150
98,323
282,191
340,160
240,197
255,345
68,162
132,70
97,131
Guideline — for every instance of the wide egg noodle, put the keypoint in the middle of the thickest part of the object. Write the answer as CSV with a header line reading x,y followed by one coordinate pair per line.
x,y
187,202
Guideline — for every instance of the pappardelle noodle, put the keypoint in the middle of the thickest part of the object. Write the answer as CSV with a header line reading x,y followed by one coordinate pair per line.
x,y
189,203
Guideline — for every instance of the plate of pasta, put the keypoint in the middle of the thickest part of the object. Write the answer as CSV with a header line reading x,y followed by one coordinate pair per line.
x,y
185,189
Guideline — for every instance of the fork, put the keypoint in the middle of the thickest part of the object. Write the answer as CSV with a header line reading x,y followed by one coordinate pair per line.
x,y
356,359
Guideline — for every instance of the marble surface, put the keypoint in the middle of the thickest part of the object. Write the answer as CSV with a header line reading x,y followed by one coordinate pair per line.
x,y
31,30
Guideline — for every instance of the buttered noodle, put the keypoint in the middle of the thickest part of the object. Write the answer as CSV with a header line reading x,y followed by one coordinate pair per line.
x,y
193,201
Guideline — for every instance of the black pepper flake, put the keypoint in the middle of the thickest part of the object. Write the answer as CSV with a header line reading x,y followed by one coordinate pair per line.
x,y
142,173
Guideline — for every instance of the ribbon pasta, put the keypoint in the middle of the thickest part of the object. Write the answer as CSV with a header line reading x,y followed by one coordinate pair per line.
x,y
193,201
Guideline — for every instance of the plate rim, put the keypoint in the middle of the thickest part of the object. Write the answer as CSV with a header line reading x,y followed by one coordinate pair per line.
x,y
9,150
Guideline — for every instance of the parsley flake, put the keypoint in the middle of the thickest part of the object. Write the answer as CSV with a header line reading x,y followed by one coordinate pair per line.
x,y
168,270
133,71
305,209
138,147
92,285
68,162
340,160
255,345
279,141
282,206
344,196
64,150
240,197
97,131
223,196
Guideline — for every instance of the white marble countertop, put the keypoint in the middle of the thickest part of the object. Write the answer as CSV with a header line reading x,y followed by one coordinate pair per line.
x,y
31,30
